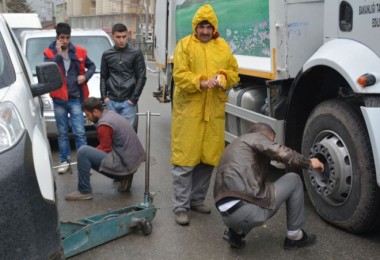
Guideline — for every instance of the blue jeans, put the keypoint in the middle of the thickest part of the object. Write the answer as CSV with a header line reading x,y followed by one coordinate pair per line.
x,y
125,109
90,158
62,110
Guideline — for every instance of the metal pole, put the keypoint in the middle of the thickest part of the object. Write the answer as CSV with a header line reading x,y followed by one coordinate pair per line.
x,y
147,195
147,150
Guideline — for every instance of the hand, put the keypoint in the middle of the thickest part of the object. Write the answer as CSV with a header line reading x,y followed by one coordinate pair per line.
x,y
130,102
317,164
210,83
58,46
106,100
81,79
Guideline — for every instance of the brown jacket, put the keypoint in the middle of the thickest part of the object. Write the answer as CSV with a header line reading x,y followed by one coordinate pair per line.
x,y
244,168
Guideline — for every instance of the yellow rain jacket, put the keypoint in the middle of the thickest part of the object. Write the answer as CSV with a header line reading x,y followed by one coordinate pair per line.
x,y
199,113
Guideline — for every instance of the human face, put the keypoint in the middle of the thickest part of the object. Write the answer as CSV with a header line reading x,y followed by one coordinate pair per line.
x,y
204,32
93,116
64,39
120,39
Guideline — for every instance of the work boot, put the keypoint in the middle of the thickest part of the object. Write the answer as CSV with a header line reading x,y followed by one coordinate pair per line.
x,y
201,208
63,168
306,240
234,239
182,218
126,183
76,195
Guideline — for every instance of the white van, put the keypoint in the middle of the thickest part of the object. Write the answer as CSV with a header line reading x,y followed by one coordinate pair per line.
x,y
20,22
95,41
29,224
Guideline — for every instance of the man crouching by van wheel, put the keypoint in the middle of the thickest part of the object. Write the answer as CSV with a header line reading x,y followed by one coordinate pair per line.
x,y
118,155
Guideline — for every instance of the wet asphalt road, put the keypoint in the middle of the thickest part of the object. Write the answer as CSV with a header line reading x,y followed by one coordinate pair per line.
x,y
202,239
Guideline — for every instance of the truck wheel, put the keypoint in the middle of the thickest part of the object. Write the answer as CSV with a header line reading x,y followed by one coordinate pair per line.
x,y
346,193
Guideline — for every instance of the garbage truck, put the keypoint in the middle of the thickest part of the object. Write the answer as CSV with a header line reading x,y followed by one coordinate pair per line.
x,y
311,70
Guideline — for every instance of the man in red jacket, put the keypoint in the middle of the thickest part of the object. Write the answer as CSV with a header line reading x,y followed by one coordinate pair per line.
x,y
118,155
72,62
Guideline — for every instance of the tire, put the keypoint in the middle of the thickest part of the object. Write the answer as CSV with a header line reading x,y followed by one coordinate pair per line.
x,y
346,193
147,228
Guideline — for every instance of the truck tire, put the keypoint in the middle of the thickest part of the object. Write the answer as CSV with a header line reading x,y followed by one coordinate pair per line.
x,y
346,193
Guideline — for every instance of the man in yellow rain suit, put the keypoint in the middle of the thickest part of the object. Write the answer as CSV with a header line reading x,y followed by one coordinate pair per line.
x,y
204,69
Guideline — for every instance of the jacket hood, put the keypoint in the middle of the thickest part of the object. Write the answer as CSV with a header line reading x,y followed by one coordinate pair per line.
x,y
205,12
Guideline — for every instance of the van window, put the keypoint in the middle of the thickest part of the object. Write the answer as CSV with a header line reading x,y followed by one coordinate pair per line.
x,y
95,46
7,73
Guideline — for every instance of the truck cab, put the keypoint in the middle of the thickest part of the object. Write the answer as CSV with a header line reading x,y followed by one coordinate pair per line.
x,y
311,70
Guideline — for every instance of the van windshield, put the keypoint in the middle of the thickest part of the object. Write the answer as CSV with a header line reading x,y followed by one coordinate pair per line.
x,y
7,74
95,46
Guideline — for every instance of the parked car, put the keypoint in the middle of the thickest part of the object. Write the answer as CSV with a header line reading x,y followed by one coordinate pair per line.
x,y
94,41
29,225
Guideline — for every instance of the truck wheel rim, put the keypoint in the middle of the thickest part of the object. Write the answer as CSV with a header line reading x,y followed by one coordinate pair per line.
x,y
335,183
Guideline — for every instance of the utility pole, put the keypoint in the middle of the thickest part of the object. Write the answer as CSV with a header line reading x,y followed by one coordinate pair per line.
x,y
3,6
53,12
146,20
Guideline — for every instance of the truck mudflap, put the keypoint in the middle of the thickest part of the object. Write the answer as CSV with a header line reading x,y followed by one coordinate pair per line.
x,y
371,116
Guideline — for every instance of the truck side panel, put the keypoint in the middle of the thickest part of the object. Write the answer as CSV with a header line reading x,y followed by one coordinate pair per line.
x,y
160,41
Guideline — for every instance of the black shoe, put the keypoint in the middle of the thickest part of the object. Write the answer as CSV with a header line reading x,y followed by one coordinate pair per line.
x,y
234,239
306,240
126,183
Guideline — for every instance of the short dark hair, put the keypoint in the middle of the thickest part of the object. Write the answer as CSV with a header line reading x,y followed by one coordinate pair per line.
x,y
119,27
63,28
204,22
92,103
261,128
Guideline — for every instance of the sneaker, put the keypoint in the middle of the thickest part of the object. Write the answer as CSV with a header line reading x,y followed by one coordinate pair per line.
x,y
125,184
76,195
182,218
234,239
63,167
306,240
201,208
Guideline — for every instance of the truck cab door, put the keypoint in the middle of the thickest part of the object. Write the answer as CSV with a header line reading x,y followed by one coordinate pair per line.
x,y
359,21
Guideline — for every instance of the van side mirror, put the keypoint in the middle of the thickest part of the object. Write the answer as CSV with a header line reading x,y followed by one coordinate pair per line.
x,y
49,78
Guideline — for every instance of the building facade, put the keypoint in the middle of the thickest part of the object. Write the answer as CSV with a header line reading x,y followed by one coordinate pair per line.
x,y
102,14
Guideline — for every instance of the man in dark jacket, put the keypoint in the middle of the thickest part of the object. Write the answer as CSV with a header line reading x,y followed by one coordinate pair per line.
x,y
118,155
244,197
122,76
72,62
